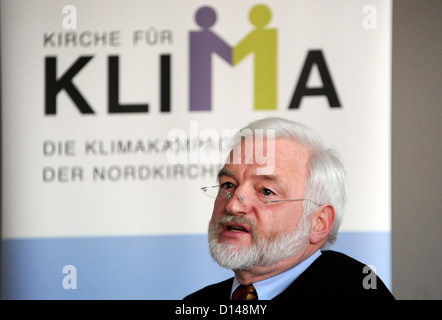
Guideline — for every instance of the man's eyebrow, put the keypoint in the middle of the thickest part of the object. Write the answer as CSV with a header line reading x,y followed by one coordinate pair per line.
x,y
270,177
224,172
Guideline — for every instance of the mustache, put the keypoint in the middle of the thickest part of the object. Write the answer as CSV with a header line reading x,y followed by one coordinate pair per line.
x,y
217,225
224,219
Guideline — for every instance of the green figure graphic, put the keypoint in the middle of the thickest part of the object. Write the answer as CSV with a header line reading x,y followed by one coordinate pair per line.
x,y
263,43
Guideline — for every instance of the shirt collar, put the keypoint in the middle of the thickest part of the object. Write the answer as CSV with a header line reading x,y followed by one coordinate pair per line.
x,y
269,288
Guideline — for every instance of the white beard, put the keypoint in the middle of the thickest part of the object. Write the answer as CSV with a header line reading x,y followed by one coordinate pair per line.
x,y
265,250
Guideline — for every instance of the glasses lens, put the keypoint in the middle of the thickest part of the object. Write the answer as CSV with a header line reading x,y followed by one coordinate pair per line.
x,y
215,192
211,192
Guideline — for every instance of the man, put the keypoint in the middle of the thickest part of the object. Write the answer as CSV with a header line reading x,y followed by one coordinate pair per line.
x,y
274,214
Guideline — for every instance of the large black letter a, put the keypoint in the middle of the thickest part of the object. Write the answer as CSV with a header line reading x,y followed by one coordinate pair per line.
x,y
315,57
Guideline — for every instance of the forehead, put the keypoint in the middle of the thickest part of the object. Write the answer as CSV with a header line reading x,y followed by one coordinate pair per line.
x,y
285,156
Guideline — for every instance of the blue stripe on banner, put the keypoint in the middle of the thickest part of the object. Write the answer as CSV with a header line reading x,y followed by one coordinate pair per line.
x,y
147,267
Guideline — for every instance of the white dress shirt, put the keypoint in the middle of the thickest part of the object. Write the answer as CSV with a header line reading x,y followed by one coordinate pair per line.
x,y
269,288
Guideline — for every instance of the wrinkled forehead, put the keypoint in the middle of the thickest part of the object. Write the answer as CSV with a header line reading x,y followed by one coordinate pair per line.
x,y
253,150
270,157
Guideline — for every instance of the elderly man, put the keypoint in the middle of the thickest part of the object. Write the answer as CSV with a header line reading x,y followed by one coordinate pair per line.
x,y
272,220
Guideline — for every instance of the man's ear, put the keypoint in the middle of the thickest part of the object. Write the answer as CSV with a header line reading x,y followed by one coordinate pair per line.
x,y
322,222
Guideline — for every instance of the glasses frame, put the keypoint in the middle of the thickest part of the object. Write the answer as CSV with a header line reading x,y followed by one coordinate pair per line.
x,y
241,197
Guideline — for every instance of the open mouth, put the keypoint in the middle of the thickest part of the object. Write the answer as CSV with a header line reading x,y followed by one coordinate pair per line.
x,y
236,228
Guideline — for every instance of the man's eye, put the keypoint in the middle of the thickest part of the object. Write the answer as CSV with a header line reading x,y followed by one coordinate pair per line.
x,y
226,185
267,192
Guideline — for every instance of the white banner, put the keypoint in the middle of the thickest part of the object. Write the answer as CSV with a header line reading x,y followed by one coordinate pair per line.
x,y
99,97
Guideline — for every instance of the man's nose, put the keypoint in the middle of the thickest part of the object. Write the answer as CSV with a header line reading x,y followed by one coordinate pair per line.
x,y
240,198
238,204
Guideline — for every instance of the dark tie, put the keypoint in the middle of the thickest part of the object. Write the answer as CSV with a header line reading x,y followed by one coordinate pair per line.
x,y
245,293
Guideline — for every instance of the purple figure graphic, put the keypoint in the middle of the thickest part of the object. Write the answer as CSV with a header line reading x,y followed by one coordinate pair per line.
x,y
202,44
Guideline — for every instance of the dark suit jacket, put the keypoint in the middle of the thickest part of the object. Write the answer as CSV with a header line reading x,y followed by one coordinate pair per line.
x,y
332,276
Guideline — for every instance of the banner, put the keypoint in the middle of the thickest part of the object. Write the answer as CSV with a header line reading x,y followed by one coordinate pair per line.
x,y
116,113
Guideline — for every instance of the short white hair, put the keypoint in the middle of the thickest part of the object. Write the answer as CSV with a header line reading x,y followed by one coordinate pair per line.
x,y
327,179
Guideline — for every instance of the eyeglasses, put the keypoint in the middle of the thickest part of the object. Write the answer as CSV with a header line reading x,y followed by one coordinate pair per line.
x,y
218,192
